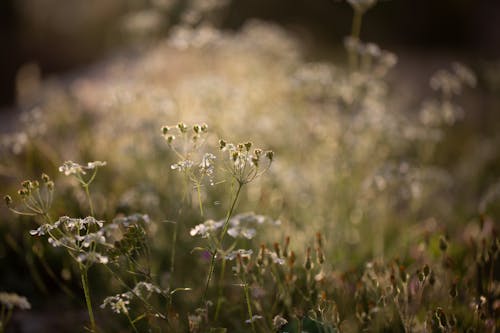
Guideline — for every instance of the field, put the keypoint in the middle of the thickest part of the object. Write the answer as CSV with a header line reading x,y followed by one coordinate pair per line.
x,y
221,181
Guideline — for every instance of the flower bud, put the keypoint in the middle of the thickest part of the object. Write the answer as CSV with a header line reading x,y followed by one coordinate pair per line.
x,y
8,200
45,178
204,127
222,144
165,130
270,155
182,127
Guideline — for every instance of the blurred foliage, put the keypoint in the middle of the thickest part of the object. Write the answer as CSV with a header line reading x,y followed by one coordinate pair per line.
x,y
387,211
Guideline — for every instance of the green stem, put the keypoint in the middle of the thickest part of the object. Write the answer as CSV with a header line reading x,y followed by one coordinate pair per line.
x,y
85,283
86,187
355,33
249,306
221,282
198,190
131,322
230,213
224,231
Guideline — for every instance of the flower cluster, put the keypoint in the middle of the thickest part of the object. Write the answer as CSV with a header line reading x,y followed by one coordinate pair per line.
x,y
243,163
80,237
36,197
240,226
72,168
120,303
13,300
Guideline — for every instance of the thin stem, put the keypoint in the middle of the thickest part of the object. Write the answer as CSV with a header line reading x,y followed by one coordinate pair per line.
x,y
85,283
224,231
86,187
221,281
131,322
249,306
230,213
355,33
198,190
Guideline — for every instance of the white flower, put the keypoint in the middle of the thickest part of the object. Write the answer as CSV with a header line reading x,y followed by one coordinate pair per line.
x,y
12,300
182,166
92,257
93,238
42,230
72,168
277,260
254,318
279,321
144,289
205,228
95,164
118,303
242,252
236,232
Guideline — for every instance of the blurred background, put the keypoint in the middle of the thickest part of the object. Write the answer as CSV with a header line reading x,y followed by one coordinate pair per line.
x,y
62,36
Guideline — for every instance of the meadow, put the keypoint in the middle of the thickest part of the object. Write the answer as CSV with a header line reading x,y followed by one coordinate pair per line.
x,y
221,182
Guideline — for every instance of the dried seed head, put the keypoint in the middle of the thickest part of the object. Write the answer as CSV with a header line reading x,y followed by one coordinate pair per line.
x,y
196,129
285,249
26,184
402,273
291,259
443,244
453,290
204,127
50,185
277,249
426,270
222,144
248,145
308,263
8,200
319,240
320,257
261,255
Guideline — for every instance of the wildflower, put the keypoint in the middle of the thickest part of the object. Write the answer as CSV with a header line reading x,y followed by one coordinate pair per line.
x,y
92,238
275,258
253,319
13,300
182,166
205,228
207,165
144,289
242,164
72,168
241,252
8,200
118,303
278,322
92,257
42,230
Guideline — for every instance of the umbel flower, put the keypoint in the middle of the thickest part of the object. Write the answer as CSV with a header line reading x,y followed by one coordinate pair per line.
x,y
243,163
72,168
